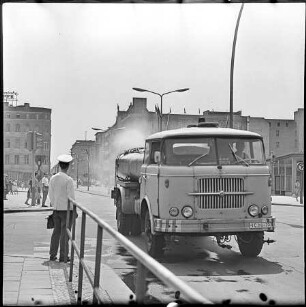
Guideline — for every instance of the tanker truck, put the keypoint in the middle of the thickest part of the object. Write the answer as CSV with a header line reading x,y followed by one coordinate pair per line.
x,y
201,180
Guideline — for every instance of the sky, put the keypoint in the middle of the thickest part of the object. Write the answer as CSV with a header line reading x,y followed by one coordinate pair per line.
x,y
81,60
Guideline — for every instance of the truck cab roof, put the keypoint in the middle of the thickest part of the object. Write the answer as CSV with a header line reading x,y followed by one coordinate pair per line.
x,y
203,132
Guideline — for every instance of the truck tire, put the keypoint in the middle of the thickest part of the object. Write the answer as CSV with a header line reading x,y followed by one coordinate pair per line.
x,y
135,225
155,243
250,243
122,219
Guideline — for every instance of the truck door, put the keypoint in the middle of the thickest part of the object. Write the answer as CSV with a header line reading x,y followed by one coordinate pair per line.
x,y
151,177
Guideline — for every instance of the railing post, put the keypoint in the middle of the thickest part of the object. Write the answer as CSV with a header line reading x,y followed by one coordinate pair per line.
x,y
80,281
141,286
67,228
72,240
97,262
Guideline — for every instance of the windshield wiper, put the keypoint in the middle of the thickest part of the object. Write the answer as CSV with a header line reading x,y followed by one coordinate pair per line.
x,y
237,158
198,158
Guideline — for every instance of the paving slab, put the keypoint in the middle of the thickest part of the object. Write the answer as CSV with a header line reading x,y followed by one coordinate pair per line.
x,y
37,299
37,284
10,297
11,286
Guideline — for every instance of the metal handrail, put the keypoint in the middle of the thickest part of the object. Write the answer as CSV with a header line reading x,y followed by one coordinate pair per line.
x,y
144,261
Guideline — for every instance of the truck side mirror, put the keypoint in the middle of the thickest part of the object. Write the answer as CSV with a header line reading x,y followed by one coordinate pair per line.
x,y
157,157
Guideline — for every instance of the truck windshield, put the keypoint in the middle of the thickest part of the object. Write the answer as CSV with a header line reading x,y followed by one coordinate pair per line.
x,y
213,151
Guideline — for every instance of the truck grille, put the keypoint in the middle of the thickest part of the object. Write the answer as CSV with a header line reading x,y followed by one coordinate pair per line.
x,y
221,193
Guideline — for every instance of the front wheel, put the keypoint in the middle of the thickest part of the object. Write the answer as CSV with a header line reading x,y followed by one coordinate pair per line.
x,y
250,243
155,243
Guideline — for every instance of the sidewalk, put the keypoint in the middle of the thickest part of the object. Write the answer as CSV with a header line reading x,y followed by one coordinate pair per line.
x,y
29,280
287,201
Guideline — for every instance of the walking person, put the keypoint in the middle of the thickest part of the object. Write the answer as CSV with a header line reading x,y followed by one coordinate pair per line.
x,y
60,188
34,190
297,188
29,192
45,188
5,186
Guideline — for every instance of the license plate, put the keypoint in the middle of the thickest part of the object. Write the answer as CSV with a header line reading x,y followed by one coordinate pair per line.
x,y
260,225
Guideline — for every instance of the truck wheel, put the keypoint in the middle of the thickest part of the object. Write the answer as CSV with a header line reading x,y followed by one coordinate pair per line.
x,y
122,219
155,243
135,225
250,244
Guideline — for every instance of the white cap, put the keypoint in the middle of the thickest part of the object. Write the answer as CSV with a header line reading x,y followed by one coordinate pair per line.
x,y
65,158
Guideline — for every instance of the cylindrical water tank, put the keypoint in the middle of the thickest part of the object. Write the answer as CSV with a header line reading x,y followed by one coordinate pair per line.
x,y
129,165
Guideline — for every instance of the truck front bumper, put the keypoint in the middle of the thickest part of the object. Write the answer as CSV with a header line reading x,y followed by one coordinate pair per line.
x,y
213,226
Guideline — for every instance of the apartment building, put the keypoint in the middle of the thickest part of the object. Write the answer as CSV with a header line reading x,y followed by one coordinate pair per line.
x,y
18,120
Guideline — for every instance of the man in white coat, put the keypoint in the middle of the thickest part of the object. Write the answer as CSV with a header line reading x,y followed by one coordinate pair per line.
x,y
60,188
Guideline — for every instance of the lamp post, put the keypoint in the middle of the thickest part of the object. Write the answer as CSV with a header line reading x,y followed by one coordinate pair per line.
x,y
161,100
88,178
77,168
232,67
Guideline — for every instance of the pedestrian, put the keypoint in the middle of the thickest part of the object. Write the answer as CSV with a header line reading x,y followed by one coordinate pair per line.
x,y
34,192
297,188
10,186
29,192
5,186
45,188
60,188
15,187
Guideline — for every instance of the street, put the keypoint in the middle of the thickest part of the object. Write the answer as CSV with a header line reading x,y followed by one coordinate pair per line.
x,y
276,276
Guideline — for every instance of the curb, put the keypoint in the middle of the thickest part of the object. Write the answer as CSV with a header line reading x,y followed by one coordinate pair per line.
x,y
15,210
93,193
287,205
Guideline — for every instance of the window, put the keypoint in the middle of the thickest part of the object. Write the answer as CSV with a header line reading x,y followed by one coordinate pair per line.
x,y
17,115
269,124
46,146
8,115
25,144
277,132
7,159
26,159
155,146
278,124
17,128
296,143
17,143
287,124
277,144
8,144
16,159
8,127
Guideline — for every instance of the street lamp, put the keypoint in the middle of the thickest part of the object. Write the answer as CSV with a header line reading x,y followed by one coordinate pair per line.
x,y
161,99
77,168
88,178
231,121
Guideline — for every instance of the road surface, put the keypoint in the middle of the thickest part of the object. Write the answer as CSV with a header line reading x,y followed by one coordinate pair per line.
x,y
220,275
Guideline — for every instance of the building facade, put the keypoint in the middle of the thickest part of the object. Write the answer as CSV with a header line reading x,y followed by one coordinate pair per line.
x,y
18,120
84,160
282,137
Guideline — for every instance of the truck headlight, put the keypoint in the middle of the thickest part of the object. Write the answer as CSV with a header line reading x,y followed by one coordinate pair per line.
x,y
173,211
187,212
253,210
264,210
